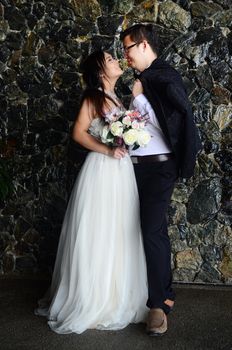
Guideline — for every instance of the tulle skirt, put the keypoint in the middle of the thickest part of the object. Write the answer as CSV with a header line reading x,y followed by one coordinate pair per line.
x,y
99,279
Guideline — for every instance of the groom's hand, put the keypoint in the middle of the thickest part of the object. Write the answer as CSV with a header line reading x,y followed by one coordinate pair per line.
x,y
137,88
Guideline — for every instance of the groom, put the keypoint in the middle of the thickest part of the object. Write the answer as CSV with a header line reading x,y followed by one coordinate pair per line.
x,y
171,153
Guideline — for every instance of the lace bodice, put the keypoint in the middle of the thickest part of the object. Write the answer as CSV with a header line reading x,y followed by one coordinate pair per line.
x,y
98,123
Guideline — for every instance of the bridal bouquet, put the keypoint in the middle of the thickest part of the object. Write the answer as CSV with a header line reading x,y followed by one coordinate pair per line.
x,y
126,128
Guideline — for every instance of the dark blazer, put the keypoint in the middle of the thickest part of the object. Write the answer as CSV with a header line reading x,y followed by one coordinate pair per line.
x,y
164,88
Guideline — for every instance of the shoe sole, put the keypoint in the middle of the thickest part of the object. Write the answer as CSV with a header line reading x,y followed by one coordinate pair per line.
x,y
154,334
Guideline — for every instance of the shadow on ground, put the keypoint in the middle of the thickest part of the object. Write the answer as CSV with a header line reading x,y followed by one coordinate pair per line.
x,y
202,319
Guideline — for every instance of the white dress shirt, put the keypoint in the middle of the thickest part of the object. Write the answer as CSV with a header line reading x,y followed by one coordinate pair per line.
x,y
158,143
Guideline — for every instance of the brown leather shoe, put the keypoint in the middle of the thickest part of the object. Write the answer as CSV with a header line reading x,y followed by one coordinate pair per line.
x,y
157,323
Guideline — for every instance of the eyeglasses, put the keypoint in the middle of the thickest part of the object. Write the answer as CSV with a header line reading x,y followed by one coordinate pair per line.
x,y
126,49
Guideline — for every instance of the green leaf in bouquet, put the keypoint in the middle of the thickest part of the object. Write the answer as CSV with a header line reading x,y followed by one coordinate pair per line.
x,y
110,136
135,147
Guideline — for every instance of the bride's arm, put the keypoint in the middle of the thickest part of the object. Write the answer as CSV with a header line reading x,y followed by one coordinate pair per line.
x,y
81,135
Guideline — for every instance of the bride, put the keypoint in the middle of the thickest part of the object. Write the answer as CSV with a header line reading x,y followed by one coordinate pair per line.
x,y
99,279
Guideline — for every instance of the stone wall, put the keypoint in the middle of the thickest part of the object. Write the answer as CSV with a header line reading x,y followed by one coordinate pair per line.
x,y
42,44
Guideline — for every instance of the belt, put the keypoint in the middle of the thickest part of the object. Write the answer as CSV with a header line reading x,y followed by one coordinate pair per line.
x,y
152,158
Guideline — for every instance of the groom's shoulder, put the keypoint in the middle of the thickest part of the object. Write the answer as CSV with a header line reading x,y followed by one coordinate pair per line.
x,y
163,72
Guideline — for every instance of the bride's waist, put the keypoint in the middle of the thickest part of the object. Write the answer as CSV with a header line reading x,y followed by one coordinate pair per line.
x,y
102,155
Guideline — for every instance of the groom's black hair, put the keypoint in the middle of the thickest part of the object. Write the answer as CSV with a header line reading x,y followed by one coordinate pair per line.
x,y
140,32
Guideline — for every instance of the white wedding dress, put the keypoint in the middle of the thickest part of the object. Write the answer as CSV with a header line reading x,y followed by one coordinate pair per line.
x,y
99,280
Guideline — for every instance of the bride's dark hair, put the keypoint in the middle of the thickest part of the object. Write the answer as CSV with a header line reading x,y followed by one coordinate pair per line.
x,y
93,68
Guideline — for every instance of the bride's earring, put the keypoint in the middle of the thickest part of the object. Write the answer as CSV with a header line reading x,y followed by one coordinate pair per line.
x,y
101,76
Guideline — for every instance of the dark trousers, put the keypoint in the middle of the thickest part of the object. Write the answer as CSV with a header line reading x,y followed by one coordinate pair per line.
x,y
155,185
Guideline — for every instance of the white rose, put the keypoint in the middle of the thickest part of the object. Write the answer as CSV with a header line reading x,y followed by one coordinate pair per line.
x,y
116,128
130,137
143,138
126,121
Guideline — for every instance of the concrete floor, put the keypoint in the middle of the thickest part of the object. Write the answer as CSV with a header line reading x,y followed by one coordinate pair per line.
x,y
202,319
